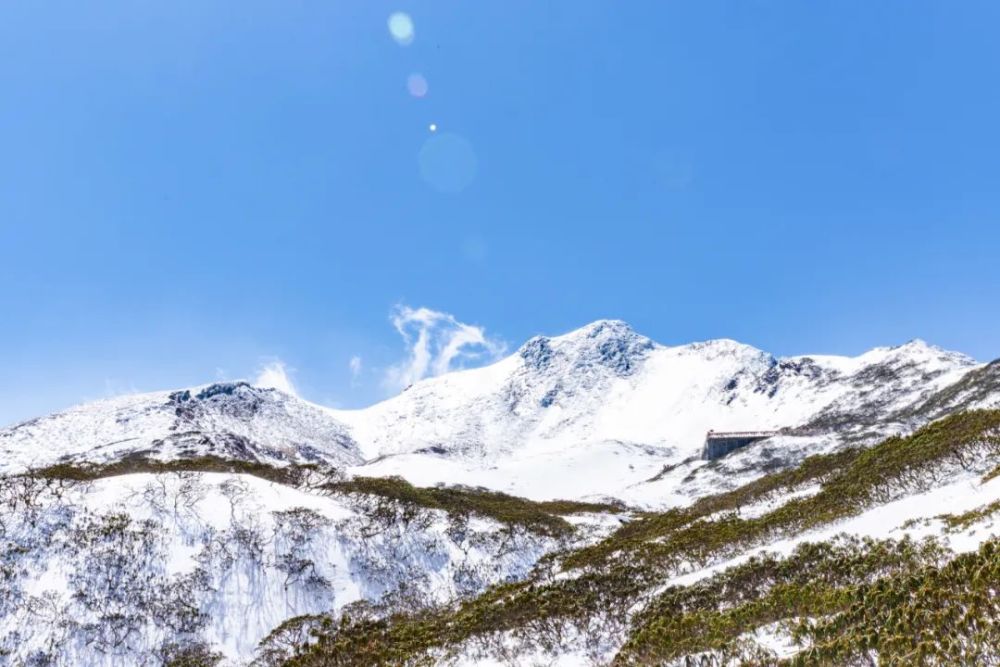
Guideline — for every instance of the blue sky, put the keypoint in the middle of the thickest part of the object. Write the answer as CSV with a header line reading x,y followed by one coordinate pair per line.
x,y
194,190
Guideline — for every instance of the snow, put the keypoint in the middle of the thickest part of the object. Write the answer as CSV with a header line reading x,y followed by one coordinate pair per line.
x,y
599,413
590,471
912,515
776,638
226,419
234,533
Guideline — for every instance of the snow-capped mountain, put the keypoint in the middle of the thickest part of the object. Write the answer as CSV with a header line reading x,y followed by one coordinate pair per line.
x,y
234,524
230,419
602,409
595,412
606,382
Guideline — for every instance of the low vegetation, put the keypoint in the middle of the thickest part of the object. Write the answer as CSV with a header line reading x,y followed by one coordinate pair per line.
x,y
131,464
840,585
843,601
959,522
931,615
714,613
543,518
540,517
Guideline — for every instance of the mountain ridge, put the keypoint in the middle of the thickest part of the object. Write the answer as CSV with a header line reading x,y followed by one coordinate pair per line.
x,y
552,506
603,403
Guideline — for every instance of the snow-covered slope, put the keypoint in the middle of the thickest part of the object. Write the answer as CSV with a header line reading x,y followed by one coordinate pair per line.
x,y
916,517
595,412
112,558
885,555
601,409
229,420
606,382
136,569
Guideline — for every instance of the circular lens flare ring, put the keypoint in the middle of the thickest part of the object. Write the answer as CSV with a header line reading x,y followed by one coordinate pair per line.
x,y
416,84
401,28
448,162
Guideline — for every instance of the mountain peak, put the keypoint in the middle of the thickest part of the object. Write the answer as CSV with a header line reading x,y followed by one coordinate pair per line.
x,y
727,347
919,348
912,345
609,343
601,330
603,327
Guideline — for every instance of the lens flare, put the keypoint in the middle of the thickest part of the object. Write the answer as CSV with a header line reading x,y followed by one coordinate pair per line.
x,y
416,84
448,162
401,28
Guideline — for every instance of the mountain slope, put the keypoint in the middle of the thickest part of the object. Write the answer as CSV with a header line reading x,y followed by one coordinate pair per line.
x,y
601,411
151,567
846,560
606,382
231,524
608,409
231,419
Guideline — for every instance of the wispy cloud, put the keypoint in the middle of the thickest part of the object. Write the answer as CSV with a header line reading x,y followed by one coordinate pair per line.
x,y
356,366
437,343
276,375
115,387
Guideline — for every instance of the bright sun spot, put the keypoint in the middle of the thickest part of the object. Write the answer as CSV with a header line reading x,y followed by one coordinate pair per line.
x,y
401,28
433,127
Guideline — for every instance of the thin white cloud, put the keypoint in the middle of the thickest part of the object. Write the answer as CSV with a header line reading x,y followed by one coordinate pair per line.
x,y
437,343
356,366
275,375
115,387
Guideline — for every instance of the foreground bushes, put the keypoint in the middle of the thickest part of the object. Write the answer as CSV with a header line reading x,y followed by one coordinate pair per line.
x,y
540,517
136,463
814,581
846,601
845,586
930,615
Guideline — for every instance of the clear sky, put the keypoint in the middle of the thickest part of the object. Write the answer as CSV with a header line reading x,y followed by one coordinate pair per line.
x,y
193,190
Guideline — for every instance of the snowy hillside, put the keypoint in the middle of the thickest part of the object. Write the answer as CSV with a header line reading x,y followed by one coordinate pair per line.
x,y
231,524
602,409
605,382
231,419
882,556
597,412
134,569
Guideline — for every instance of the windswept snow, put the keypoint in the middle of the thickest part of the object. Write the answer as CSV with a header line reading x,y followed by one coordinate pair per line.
x,y
95,571
600,411
111,572
231,419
